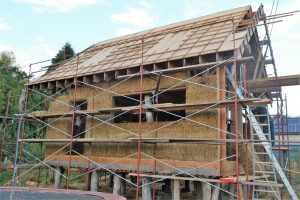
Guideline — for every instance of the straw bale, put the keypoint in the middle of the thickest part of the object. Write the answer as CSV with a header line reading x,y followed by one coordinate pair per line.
x,y
182,129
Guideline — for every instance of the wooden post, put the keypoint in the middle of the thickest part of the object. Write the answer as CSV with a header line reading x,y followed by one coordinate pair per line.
x,y
57,177
198,190
146,189
176,189
215,192
221,82
119,185
94,187
206,189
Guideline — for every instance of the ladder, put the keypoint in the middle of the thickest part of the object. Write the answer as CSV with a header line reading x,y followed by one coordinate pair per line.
x,y
262,164
261,135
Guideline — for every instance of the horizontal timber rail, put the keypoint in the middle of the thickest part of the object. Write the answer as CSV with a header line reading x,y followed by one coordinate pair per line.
x,y
145,140
211,180
265,84
154,108
114,74
194,67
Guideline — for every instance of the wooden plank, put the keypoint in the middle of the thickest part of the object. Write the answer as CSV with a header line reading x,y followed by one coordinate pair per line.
x,y
271,82
81,140
155,108
211,180
144,140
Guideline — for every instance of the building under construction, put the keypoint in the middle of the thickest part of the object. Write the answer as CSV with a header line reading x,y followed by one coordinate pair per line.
x,y
179,107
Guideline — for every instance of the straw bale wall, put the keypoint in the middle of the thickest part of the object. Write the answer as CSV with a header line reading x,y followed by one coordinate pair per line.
x,y
184,129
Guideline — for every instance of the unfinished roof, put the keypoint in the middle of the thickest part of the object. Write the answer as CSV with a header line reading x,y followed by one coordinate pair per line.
x,y
199,36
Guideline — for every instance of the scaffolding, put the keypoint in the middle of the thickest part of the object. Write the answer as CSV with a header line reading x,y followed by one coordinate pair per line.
x,y
248,138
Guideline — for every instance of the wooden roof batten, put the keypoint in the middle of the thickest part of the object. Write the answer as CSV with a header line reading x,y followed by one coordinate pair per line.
x,y
196,38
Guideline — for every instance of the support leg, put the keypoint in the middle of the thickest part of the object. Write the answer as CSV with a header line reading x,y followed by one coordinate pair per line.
x,y
206,188
119,185
57,177
198,190
176,190
215,192
146,189
94,187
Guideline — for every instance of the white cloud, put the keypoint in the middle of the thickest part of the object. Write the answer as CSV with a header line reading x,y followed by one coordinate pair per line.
x,y
41,50
135,19
134,16
58,5
4,47
4,26
197,8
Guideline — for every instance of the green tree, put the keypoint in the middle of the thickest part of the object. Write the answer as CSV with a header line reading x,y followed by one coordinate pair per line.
x,y
64,53
13,79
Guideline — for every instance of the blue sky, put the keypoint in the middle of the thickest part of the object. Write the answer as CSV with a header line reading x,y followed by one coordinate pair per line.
x,y
35,29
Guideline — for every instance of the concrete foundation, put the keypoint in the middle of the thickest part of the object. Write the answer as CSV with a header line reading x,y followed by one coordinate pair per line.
x,y
176,190
215,192
146,189
119,185
57,178
206,188
198,190
94,184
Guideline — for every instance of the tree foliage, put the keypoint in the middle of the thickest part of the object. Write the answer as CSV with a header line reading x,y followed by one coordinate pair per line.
x,y
64,53
13,80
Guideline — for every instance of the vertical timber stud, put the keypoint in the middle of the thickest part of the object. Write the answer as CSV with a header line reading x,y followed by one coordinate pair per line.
x,y
72,124
222,118
236,112
176,189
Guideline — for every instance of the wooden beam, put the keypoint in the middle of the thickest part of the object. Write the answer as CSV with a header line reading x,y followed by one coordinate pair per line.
x,y
155,108
210,180
158,68
148,140
222,118
267,83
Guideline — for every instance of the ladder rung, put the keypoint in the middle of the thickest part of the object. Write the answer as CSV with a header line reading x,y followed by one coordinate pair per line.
x,y
260,115
271,191
262,181
260,124
264,172
266,163
262,153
